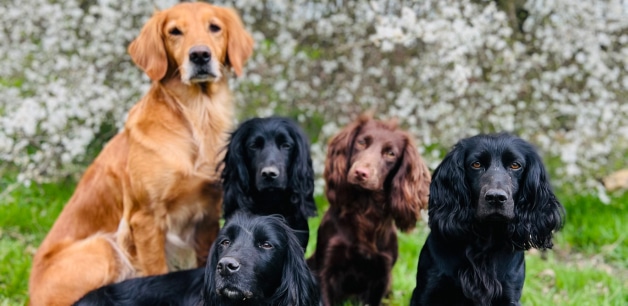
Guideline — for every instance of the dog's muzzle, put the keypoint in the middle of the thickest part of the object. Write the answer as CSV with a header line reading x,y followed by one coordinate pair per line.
x,y
496,197
200,57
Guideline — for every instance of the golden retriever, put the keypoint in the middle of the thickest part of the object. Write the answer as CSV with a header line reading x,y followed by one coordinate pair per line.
x,y
150,202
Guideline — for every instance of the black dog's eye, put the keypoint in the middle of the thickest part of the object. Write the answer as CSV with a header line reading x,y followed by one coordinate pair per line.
x,y
286,146
515,166
266,245
257,144
214,28
175,31
476,165
225,243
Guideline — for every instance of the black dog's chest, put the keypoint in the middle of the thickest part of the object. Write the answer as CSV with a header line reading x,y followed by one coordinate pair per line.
x,y
499,275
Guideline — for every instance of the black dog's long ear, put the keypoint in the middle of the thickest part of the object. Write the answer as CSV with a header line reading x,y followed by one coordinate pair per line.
x,y
298,286
539,212
301,172
450,209
209,284
235,176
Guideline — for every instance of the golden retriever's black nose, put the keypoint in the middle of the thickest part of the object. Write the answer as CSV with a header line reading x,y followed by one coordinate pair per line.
x,y
496,197
270,173
227,266
200,55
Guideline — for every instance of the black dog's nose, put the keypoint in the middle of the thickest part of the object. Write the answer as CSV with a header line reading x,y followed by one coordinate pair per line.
x,y
200,55
228,266
270,173
496,196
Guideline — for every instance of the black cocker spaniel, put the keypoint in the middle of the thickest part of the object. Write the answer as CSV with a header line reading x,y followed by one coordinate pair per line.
x,y
490,200
268,170
255,260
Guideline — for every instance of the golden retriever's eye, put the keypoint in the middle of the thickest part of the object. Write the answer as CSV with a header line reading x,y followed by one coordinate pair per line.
x,y
266,245
225,243
175,31
214,28
515,166
476,165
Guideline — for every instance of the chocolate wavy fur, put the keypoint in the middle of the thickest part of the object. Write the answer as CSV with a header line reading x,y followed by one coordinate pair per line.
x,y
357,241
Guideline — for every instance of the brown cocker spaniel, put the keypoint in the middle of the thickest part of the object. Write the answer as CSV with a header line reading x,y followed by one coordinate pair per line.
x,y
376,181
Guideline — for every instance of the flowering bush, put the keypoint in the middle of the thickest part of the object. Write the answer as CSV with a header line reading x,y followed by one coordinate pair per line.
x,y
64,76
553,72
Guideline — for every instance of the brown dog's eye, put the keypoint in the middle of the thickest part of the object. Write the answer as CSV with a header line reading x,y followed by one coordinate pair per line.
x,y
214,28
225,243
361,143
175,31
390,154
515,166
266,245
476,165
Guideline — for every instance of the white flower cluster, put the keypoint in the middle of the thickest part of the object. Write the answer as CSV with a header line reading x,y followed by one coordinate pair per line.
x,y
561,81
446,68
64,75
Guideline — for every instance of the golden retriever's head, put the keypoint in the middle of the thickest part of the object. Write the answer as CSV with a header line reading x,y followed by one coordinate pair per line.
x,y
194,41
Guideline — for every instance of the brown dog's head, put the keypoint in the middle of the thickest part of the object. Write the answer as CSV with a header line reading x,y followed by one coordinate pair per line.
x,y
194,40
377,156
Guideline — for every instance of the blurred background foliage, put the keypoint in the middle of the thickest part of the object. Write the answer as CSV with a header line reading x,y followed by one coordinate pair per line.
x,y
553,72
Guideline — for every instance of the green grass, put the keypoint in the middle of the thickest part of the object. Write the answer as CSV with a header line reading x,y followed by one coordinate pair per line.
x,y
577,281
588,266
596,228
26,214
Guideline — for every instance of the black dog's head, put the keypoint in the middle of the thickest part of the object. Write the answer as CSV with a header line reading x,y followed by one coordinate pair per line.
x,y
493,172
267,155
497,178
257,260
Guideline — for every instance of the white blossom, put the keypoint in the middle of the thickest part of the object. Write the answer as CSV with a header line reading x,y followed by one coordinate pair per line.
x,y
446,68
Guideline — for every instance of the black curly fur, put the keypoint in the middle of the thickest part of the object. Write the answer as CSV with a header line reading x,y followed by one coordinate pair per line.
x,y
291,285
278,277
474,259
261,139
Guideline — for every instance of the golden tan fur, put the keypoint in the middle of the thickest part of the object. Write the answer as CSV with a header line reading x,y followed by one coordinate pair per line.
x,y
150,202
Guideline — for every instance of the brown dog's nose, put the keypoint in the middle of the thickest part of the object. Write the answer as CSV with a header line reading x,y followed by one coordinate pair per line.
x,y
362,173
200,55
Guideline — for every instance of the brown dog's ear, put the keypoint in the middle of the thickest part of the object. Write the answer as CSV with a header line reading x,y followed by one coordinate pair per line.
x,y
240,42
410,187
148,50
337,160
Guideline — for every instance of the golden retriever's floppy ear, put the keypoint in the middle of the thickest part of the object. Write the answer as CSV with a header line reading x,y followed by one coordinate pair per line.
x,y
240,42
410,187
148,50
